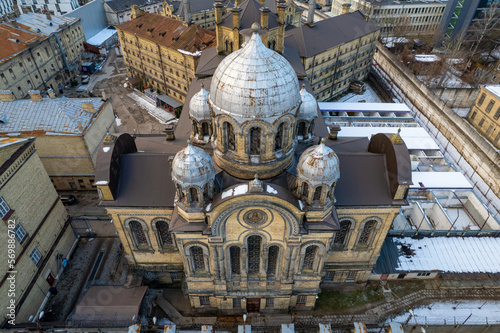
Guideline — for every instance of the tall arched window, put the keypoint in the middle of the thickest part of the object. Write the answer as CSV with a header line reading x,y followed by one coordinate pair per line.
x,y
195,128
364,237
204,129
194,194
272,260
301,129
164,234
317,193
197,258
254,243
229,138
278,138
305,190
180,194
138,234
234,253
205,191
311,127
309,257
341,236
255,141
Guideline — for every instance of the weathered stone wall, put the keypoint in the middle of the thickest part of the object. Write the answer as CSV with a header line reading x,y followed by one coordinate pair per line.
x,y
459,142
457,97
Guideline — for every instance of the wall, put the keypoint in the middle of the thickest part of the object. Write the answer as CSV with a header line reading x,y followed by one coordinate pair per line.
x,y
457,97
460,144
92,16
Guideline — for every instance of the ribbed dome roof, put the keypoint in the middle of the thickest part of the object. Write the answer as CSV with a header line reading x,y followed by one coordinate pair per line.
x,y
318,165
309,107
192,166
198,105
254,82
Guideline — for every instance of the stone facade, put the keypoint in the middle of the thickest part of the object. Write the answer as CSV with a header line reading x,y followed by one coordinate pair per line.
x,y
117,14
42,59
485,114
165,62
39,223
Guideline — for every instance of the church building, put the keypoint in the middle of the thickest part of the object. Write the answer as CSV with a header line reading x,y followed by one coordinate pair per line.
x,y
252,206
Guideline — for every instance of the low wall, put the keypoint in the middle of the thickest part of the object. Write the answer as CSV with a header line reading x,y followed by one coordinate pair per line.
x,y
457,97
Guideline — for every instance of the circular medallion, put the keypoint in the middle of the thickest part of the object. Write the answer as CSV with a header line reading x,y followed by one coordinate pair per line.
x,y
255,216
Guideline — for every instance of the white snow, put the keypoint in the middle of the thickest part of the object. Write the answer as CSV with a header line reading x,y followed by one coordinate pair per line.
x,y
208,207
494,90
102,182
271,190
360,107
449,180
106,149
157,112
450,254
118,122
451,313
101,37
427,57
196,54
227,193
240,189
369,96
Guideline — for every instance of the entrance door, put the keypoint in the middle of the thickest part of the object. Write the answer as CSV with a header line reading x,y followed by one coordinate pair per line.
x,y
50,279
253,305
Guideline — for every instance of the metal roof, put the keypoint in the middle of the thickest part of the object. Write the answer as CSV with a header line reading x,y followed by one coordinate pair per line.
x,y
39,23
52,116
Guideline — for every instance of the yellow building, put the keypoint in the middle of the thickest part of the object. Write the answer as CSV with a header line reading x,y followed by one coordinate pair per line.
x,y
485,114
35,227
162,52
68,132
265,213
39,52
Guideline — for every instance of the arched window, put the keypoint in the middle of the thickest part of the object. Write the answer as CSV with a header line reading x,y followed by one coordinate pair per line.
x,y
255,141
311,127
317,193
254,243
194,194
309,257
195,128
301,129
197,257
341,235
227,45
278,138
305,190
234,253
364,237
205,191
180,194
164,234
138,234
272,260
204,129
231,45
229,138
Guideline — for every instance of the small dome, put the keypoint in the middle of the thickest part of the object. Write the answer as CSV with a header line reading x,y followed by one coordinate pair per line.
x,y
192,166
309,107
254,82
319,165
198,105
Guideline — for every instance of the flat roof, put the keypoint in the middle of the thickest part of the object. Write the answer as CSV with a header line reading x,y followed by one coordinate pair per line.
x,y
440,180
414,137
102,36
50,115
444,254
363,107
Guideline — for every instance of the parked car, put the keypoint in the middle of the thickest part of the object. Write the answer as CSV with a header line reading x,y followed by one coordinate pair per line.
x,y
85,79
68,199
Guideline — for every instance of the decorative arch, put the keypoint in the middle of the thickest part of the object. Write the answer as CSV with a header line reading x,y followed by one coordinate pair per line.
x,y
197,255
311,257
341,239
274,260
291,220
138,231
161,228
367,231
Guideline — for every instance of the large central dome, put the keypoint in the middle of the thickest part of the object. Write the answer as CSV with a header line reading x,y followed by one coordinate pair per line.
x,y
254,82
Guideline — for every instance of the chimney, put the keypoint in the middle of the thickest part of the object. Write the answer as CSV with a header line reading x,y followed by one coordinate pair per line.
x,y
170,132
47,15
237,3
104,96
218,11
88,106
264,17
35,95
280,10
14,24
346,8
27,10
51,93
334,131
236,17
310,14
187,12
6,96
136,11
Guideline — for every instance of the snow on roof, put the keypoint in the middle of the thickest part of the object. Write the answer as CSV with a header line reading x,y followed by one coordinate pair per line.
x,y
39,23
101,37
427,57
440,180
360,107
494,89
414,137
448,254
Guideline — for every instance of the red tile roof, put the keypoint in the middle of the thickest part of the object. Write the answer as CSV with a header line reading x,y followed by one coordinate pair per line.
x,y
13,40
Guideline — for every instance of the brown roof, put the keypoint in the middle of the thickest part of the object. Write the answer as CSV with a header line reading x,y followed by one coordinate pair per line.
x,y
169,32
13,41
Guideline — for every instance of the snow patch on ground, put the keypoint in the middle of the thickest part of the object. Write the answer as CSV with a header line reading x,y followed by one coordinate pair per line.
x,y
160,114
118,122
369,96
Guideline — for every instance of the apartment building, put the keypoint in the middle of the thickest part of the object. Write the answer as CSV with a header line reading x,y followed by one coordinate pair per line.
x,y
39,52
163,52
58,7
119,11
485,114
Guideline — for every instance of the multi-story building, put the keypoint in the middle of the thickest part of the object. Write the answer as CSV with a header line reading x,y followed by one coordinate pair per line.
x,y
399,18
119,11
6,7
333,62
39,52
282,212
485,114
36,223
58,7
163,52
68,132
